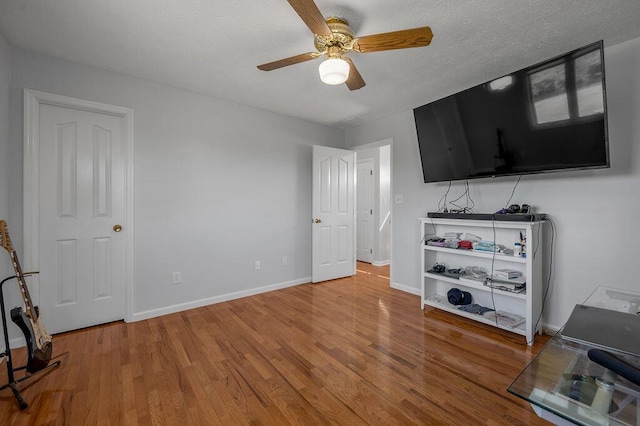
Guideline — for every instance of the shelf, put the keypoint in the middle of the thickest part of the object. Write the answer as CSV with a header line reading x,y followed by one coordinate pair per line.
x,y
480,254
527,305
497,224
440,302
478,286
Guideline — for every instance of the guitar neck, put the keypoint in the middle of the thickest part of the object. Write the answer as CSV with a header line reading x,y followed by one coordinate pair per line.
x,y
24,291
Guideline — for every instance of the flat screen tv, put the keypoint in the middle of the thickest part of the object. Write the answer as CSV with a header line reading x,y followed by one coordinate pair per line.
x,y
548,117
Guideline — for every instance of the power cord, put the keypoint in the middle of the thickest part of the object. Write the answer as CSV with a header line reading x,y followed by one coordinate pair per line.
x,y
548,286
513,192
442,204
501,331
468,208
433,225
493,261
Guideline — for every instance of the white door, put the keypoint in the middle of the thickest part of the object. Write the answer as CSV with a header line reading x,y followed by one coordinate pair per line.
x,y
333,199
364,215
82,216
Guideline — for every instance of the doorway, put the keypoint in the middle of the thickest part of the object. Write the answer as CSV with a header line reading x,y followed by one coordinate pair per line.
x,y
334,247
377,157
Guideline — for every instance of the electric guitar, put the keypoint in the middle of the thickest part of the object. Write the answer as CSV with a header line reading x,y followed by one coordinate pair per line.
x,y
39,346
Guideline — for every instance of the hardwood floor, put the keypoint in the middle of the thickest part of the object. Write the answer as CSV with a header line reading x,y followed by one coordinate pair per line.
x,y
351,351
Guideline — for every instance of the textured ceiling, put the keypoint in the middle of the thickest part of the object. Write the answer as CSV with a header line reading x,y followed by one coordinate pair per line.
x,y
214,46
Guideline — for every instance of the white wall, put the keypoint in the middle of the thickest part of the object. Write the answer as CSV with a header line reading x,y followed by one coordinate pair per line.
x,y
5,74
217,184
595,212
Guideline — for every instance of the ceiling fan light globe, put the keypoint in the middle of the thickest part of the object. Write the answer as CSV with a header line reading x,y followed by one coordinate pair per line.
x,y
334,71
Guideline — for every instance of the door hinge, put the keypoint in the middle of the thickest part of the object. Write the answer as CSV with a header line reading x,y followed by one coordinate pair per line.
x,y
371,211
370,251
371,172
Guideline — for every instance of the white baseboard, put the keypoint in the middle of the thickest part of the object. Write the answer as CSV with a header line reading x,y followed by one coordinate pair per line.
x,y
550,328
14,343
152,313
17,342
381,262
406,288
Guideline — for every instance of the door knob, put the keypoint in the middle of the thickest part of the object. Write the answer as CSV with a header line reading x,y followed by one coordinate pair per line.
x,y
317,221
117,228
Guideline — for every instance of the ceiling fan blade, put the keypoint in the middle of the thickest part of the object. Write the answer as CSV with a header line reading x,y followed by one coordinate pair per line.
x,y
311,16
288,61
354,81
415,37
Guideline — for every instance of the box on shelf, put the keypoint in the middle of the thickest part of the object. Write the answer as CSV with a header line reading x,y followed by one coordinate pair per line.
x,y
501,285
506,274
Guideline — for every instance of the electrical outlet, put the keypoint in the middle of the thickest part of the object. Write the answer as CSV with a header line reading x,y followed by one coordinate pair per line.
x,y
256,265
176,277
285,261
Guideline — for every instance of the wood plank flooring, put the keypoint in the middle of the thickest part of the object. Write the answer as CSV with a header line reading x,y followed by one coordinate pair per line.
x,y
349,352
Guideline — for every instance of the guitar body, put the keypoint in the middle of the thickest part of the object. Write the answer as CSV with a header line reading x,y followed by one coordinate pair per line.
x,y
39,345
39,349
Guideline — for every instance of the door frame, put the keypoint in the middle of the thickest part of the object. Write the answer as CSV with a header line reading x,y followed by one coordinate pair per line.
x,y
379,144
33,100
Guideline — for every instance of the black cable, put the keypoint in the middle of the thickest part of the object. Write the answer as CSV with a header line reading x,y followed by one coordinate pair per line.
x,y
493,261
535,249
433,225
513,192
465,209
469,199
546,291
442,206
495,310
501,331
453,202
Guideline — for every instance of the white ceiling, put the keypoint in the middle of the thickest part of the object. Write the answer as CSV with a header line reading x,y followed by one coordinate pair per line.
x,y
214,46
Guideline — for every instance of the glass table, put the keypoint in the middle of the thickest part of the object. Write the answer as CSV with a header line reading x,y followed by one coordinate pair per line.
x,y
565,387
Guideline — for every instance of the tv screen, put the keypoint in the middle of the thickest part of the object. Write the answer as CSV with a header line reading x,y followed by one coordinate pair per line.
x,y
548,117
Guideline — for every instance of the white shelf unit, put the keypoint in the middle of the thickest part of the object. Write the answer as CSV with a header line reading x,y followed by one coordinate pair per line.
x,y
434,287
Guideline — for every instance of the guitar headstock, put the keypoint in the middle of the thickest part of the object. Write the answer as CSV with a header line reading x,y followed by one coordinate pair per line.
x,y
4,236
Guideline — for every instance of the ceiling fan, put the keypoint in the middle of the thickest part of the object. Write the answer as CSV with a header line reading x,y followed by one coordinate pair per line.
x,y
334,39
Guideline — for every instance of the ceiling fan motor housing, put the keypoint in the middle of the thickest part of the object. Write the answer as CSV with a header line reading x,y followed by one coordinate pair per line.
x,y
339,42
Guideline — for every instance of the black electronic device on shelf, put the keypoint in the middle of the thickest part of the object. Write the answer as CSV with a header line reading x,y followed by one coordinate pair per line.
x,y
507,217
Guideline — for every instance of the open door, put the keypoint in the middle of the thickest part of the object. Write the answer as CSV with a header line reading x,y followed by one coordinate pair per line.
x,y
333,209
